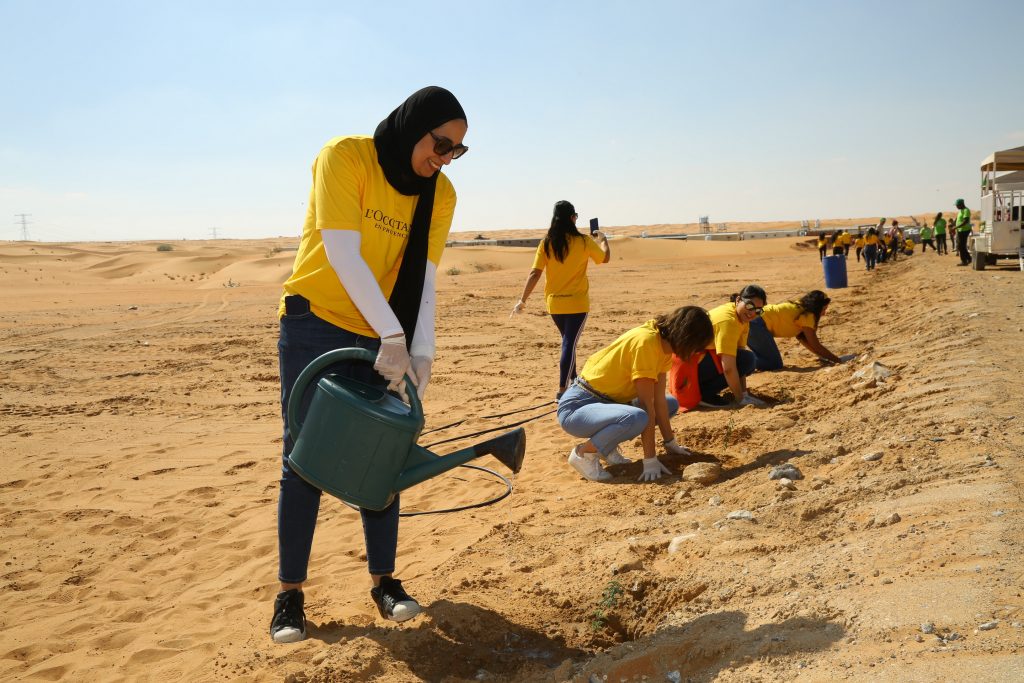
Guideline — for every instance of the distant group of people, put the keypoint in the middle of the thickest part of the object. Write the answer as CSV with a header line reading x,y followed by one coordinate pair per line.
x,y
687,358
880,244
837,242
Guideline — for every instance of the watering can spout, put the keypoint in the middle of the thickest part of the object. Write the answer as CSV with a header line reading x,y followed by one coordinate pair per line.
x,y
509,449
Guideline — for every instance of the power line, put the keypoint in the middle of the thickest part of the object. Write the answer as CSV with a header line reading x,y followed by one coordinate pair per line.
x,y
24,225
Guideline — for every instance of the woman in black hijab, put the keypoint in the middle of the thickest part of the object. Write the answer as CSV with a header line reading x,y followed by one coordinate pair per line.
x,y
378,217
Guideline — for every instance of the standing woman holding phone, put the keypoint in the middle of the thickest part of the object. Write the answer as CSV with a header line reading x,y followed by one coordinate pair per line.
x,y
565,254
378,216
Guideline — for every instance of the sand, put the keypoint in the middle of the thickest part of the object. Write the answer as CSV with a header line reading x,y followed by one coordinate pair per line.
x,y
138,487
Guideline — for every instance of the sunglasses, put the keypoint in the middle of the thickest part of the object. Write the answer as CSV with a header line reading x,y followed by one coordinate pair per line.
x,y
751,307
443,146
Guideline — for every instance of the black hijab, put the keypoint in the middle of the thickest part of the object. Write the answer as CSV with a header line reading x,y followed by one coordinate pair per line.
x,y
395,138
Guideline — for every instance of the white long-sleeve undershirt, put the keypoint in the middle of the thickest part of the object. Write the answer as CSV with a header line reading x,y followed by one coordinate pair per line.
x,y
342,248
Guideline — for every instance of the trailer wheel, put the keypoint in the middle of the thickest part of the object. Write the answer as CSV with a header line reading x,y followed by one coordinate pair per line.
x,y
978,261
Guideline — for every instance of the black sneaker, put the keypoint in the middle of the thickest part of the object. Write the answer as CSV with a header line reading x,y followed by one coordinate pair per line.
x,y
714,401
392,601
289,622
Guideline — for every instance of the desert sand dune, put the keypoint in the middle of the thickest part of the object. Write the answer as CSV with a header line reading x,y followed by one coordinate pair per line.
x,y
142,436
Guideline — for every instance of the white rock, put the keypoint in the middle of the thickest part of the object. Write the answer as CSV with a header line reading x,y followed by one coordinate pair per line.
x,y
745,515
678,542
869,457
875,371
988,625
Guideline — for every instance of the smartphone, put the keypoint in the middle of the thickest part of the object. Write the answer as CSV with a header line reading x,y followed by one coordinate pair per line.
x,y
593,226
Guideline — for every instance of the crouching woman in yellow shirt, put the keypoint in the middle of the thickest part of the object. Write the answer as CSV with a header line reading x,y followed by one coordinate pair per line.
x,y
798,319
728,361
620,393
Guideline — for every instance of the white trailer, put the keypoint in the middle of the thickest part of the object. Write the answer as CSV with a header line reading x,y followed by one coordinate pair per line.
x,y
1002,209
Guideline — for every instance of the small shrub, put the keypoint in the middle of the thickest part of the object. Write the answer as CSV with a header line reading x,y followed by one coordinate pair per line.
x,y
164,247
609,600
453,271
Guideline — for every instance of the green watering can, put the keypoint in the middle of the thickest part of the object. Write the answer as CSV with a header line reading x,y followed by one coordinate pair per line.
x,y
358,442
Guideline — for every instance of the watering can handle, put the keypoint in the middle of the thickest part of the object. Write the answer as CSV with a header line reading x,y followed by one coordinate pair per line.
x,y
322,363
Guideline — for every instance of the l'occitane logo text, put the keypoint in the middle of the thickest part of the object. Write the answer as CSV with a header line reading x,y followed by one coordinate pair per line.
x,y
386,223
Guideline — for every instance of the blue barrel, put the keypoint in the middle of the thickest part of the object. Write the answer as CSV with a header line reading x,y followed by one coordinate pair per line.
x,y
835,271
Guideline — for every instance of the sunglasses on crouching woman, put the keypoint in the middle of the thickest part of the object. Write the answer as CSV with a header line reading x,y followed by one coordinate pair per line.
x,y
751,306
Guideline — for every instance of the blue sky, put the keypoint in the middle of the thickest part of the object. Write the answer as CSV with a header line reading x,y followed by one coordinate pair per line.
x,y
163,120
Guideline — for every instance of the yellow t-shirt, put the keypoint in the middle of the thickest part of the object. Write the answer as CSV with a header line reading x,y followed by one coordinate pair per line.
x,y
846,239
859,243
870,239
635,355
785,319
350,192
730,333
566,287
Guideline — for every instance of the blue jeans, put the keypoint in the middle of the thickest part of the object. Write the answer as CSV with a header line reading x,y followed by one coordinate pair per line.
x,y
606,424
303,338
570,326
761,341
870,256
712,382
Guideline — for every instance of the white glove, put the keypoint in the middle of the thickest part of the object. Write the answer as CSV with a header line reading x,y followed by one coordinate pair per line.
x,y
749,400
675,449
653,469
393,362
421,371
520,305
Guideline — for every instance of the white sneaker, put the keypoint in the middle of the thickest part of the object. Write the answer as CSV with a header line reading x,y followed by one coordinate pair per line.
x,y
588,466
615,457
